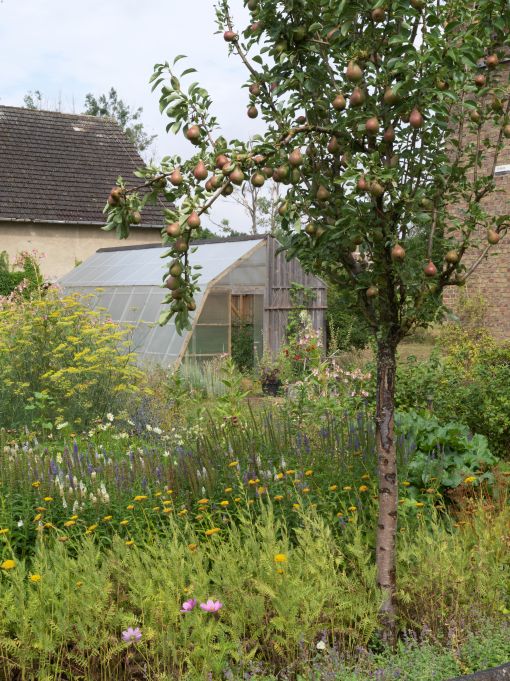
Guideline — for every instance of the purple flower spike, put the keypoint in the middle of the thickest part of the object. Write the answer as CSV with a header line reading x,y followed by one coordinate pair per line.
x,y
211,606
188,605
132,635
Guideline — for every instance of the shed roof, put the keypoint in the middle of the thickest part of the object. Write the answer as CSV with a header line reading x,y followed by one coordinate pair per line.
x,y
59,168
145,267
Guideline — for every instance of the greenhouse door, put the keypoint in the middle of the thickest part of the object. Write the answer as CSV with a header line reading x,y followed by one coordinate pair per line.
x,y
246,332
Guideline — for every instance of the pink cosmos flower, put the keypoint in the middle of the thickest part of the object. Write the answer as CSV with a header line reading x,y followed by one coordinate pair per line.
x,y
211,606
188,605
132,635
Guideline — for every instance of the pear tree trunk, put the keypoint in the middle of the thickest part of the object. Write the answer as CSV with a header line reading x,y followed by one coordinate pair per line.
x,y
388,486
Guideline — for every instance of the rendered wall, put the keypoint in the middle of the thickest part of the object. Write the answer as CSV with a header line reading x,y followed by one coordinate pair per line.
x,y
65,247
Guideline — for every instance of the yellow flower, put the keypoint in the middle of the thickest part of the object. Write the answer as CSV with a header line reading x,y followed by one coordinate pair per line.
x,y
79,584
40,509
228,490
169,491
291,471
213,530
91,528
130,507
5,530
308,473
419,504
140,497
48,526
352,509
363,488
296,480
261,490
237,500
183,511
48,499
347,488
63,539
253,481
280,571
295,506
232,464
306,490
124,522
167,502
333,488
224,503
156,508
406,483
280,558
167,510
69,523
470,479
192,547
339,515
37,517
199,517
157,494
35,578
278,497
107,518
74,517
279,476
36,484
365,476
203,501
129,542
8,564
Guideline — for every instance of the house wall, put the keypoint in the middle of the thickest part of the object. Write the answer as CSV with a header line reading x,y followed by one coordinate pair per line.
x,y
491,279
64,246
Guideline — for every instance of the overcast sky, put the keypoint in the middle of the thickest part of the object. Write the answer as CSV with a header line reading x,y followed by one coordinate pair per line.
x,y
67,49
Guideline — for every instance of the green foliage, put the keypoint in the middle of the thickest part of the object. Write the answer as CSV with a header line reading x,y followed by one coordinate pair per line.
x,y
59,362
242,350
283,591
445,454
111,106
346,328
469,376
26,277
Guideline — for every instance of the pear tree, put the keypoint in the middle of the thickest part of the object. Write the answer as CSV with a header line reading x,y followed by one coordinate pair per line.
x,y
384,121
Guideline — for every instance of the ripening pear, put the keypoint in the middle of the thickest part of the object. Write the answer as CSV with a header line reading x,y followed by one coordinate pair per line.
x,y
176,178
173,230
493,237
200,171
415,118
398,253
258,178
339,103
193,220
354,72
193,134
295,158
357,97
322,193
430,269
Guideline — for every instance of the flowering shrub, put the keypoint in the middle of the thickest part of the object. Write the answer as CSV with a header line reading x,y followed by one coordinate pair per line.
x,y
59,361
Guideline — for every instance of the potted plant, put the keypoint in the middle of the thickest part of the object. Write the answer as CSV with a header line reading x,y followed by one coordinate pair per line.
x,y
270,380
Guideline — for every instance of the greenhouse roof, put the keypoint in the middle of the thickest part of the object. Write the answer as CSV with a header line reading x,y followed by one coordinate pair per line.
x,y
144,266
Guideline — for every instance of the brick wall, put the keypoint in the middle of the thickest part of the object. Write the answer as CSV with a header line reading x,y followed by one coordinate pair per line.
x,y
492,277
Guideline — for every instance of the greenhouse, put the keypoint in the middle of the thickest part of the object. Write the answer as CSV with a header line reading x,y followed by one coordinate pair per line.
x,y
244,283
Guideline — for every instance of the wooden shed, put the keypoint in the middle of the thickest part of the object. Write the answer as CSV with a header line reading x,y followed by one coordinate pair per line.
x,y
244,282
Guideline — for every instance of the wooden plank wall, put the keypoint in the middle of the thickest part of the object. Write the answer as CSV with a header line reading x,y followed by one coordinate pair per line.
x,y
281,274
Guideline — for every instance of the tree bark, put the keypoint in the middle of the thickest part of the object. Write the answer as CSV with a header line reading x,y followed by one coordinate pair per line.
x,y
388,486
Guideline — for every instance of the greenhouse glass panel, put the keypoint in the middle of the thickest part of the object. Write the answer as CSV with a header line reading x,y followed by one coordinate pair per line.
x,y
131,280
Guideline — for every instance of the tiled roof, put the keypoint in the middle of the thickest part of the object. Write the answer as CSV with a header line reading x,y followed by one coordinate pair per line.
x,y
58,167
